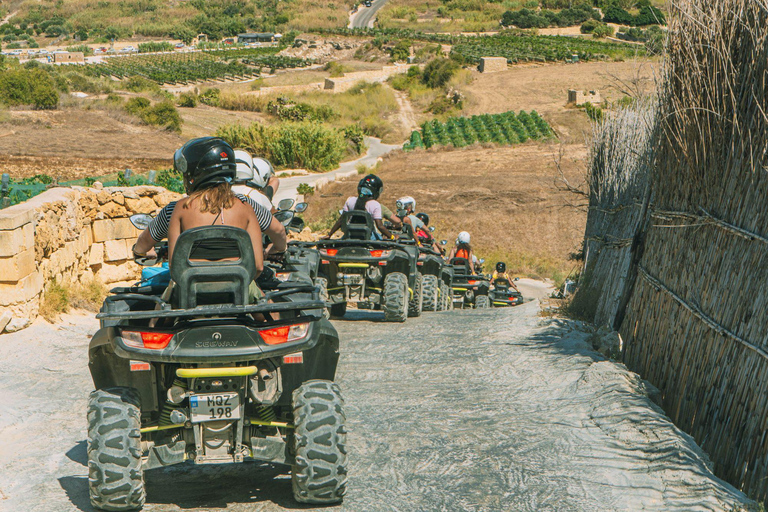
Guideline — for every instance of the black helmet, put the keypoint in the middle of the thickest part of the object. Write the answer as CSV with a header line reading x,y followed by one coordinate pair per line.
x,y
501,267
423,217
205,162
370,185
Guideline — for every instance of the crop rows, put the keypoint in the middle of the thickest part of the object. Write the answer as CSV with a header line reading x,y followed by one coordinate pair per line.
x,y
524,48
506,128
194,67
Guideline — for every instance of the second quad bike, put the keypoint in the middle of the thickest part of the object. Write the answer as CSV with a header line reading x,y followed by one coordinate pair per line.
x,y
469,290
503,294
207,372
376,274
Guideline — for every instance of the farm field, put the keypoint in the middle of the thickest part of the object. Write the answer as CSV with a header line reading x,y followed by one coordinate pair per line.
x,y
193,67
502,129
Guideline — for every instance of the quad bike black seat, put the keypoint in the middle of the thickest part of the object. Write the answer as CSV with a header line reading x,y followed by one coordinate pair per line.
x,y
461,266
501,284
212,265
357,225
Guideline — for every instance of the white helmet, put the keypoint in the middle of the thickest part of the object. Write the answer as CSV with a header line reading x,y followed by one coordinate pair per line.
x,y
262,171
463,238
406,202
244,165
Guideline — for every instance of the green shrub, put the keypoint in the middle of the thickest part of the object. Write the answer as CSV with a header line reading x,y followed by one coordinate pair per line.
x,y
140,84
188,99
305,189
210,97
589,26
602,30
335,69
28,87
438,72
309,145
137,105
170,179
401,51
163,114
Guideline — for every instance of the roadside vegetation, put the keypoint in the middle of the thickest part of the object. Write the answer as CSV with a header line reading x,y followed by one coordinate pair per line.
x,y
61,298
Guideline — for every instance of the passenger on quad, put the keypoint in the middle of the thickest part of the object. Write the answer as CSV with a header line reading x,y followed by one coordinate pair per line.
x,y
501,278
425,236
248,182
405,207
368,191
158,228
463,250
208,168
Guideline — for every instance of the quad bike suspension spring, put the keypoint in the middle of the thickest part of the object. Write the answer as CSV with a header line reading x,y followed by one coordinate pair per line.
x,y
266,413
169,407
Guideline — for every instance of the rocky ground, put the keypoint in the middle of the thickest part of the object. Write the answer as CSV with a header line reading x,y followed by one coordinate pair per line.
x,y
458,411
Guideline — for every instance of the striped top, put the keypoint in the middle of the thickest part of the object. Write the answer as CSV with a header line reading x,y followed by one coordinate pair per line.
x,y
158,228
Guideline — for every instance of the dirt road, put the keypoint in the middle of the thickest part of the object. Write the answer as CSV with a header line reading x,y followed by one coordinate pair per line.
x,y
463,411
365,16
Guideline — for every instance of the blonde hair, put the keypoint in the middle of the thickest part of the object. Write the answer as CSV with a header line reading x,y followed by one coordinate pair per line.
x,y
213,199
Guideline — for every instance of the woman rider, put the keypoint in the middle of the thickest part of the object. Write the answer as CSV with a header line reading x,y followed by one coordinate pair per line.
x,y
462,249
368,191
208,168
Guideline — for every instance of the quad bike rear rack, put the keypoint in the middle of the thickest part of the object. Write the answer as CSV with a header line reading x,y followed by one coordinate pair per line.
x,y
213,310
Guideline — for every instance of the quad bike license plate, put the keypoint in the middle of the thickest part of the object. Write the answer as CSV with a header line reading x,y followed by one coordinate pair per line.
x,y
214,406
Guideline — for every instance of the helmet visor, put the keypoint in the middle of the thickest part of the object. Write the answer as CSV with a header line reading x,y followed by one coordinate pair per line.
x,y
180,161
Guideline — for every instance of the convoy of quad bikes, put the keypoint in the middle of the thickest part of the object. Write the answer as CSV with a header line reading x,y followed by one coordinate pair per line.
x,y
199,372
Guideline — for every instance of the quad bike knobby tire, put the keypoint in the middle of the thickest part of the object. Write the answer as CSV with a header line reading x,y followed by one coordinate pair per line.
x,y
338,310
482,302
430,288
395,297
322,284
319,474
415,305
115,477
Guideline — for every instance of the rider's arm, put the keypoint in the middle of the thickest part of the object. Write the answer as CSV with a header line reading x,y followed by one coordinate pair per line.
x,y
254,231
276,233
174,230
382,228
145,245
472,263
335,227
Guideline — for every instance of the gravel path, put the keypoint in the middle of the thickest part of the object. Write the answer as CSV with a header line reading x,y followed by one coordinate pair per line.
x,y
464,411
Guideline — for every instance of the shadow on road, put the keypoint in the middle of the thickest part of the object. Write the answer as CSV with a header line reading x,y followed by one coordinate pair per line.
x,y
362,315
187,486
79,453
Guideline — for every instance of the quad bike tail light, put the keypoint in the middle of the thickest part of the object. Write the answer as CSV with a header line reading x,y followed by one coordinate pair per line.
x,y
380,253
283,276
284,334
151,340
329,252
471,282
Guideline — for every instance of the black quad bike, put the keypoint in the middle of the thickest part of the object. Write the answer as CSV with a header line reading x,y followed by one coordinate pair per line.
x,y
469,290
204,372
376,274
431,266
503,295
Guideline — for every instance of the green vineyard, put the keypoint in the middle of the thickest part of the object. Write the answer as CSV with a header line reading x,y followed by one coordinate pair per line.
x,y
503,129
526,48
183,68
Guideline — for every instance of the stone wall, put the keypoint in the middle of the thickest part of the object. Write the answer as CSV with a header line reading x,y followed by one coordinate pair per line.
x,y
582,97
68,235
492,64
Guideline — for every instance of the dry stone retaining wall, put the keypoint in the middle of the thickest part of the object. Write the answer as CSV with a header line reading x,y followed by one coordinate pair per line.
x,y
68,236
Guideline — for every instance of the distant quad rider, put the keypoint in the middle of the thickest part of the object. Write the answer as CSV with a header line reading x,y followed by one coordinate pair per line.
x,y
424,236
462,249
405,208
501,277
247,181
158,228
368,191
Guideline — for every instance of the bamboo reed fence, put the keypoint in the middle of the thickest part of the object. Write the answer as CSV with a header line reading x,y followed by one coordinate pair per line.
x,y
695,324
620,156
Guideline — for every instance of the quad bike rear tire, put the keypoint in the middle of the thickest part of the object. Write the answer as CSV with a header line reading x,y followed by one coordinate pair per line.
x,y
482,302
430,288
395,297
416,304
115,476
319,474
338,310
322,284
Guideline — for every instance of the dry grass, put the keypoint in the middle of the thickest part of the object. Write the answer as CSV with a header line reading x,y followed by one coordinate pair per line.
x,y
505,197
59,298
